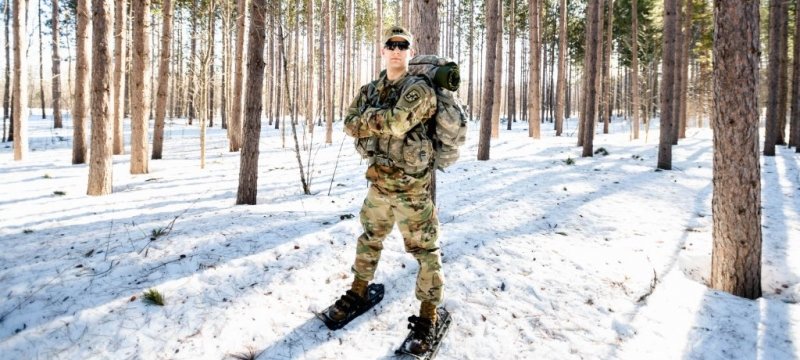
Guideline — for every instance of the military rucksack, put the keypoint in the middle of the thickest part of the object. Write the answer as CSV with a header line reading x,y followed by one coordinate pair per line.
x,y
450,130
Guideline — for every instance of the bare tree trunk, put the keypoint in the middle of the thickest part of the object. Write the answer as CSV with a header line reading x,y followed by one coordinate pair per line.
x,y
7,84
498,75
667,83
677,106
329,74
140,87
278,68
492,11
591,58
687,41
794,132
310,66
235,126
635,67
378,38
41,61
81,87
783,77
425,26
607,104
512,54
118,92
57,122
100,166
248,168
773,78
562,53
736,200
472,74
534,103
348,55
163,80
212,18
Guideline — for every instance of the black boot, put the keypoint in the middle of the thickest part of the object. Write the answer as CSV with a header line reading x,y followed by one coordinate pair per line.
x,y
350,301
423,329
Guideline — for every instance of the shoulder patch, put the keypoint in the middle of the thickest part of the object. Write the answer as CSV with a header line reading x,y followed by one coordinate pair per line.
x,y
412,96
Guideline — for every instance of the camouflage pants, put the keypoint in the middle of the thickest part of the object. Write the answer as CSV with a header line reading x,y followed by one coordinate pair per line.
x,y
415,216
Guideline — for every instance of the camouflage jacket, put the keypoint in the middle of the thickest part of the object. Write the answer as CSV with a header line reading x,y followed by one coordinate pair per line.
x,y
388,120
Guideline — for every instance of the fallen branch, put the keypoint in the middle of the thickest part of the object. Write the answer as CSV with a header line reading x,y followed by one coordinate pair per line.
x,y
652,287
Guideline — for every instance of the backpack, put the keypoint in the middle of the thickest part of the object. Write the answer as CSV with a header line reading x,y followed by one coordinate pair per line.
x,y
450,131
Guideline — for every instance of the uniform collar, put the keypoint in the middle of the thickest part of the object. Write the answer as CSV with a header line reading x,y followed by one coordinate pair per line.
x,y
384,80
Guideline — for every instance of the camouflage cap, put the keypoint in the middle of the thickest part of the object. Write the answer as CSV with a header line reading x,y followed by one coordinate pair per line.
x,y
398,31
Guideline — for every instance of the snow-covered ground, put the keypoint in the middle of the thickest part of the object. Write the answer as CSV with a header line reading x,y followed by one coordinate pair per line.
x,y
543,260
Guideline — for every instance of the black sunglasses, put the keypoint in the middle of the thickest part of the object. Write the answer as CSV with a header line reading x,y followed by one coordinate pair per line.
x,y
402,45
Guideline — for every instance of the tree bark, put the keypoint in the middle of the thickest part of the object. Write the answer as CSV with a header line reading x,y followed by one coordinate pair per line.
x,y
667,83
635,67
780,138
7,84
561,81
794,131
488,80
426,26
140,87
736,199
235,125
81,87
512,91
687,42
533,75
41,61
773,78
309,106
378,37
54,28
498,75
329,75
119,73
608,106
591,57
100,165
677,106
472,76
163,80
248,168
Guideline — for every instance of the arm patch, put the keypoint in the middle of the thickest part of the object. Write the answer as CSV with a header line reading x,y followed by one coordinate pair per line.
x,y
412,96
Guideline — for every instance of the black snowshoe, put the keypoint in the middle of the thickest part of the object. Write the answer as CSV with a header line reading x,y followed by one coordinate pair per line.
x,y
422,342
352,305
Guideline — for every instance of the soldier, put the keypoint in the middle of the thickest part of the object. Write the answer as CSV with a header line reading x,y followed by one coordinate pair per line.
x,y
389,119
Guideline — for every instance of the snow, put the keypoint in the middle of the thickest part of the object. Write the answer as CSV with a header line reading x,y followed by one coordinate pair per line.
x,y
542,259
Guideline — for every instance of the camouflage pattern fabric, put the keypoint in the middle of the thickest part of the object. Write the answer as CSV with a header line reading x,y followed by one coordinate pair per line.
x,y
416,218
388,120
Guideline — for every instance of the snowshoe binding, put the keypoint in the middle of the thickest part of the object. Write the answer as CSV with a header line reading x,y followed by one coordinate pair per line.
x,y
350,306
423,340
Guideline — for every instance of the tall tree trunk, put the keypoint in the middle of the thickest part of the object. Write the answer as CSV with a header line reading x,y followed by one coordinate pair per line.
x,y
498,74
348,55
425,26
118,92
677,106
591,58
472,76
512,54
100,166
310,66
635,67
81,86
278,68
736,199
687,42
378,37
329,36
57,122
607,104
41,61
533,76
235,126
667,83
7,83
212,18
248,168
794,133
773,78
163,80
492,12
140,87
562,53
780,138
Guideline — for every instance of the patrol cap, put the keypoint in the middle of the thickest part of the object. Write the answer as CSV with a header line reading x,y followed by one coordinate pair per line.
x,y
398,31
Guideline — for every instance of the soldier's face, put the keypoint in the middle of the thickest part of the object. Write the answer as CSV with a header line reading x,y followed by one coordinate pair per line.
x,y
396,58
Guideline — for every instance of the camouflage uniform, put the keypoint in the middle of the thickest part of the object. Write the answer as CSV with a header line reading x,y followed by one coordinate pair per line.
x,y
388,120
